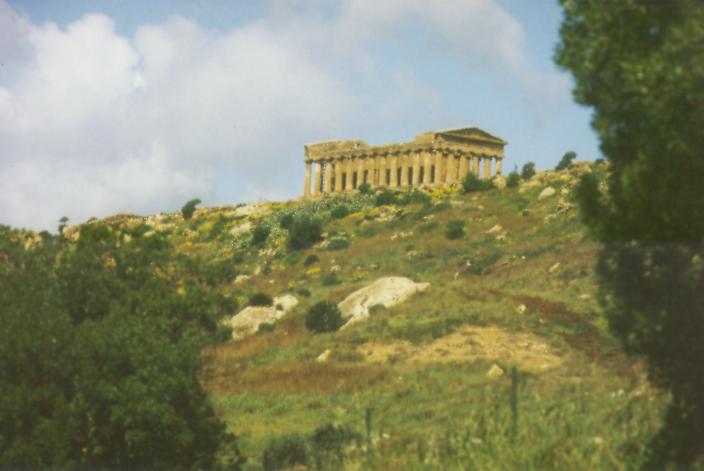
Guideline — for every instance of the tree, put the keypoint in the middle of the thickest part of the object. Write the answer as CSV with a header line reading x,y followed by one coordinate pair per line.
x,y
305,231
324,316
98,356
472,183
566,160
513,179
640,65
528,171
189,208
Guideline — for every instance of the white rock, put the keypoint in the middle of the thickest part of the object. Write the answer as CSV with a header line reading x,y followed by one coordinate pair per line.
x,y
554,267
495,230
546,193
241,279
325,356
247,321
494,372
388,291
521,309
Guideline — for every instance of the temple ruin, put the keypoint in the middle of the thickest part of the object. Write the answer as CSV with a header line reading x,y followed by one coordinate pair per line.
x,y
434,158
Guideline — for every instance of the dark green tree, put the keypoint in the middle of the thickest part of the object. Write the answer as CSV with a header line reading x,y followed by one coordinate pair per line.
x,y
640,65
98,356
324,316
566,160
528,171
305,231
189,208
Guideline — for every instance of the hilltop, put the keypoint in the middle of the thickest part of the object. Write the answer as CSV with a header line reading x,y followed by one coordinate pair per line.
x,y
503,360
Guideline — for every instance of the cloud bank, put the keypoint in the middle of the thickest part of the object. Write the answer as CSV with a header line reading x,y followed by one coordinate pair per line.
x,y
94,123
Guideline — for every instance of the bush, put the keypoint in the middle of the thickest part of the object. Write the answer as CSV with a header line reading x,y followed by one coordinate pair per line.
x,y
338,243
292,258
330,279
311,259
416,196
261,299
286,221
324,316
305,292
384,198
566,160
338,212
528,171
304,232
260,234
365,188
472,183
284,452
264,328
513,179
455,229
189,208
329,442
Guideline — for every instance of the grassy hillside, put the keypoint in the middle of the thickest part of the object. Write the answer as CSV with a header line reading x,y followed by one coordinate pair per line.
x,y
410,386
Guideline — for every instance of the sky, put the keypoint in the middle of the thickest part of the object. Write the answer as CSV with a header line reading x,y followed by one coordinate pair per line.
x,y
111,106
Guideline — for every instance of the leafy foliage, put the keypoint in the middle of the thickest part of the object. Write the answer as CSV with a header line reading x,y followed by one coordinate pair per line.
x,y
338,243
260,234
98,355
305,231
261,299
566,161
324,316
455,229
385,198
472,183
365,188
639,65
514,178
189,208
339,212
528,171
284,452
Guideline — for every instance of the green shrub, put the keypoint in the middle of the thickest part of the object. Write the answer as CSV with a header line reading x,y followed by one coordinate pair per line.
x,y
261,299
376,308
566,160
513,179
292,258
384,198
311,259
324,316
330,279
455,229
189,208
528,171
284,452
286,221
416,196
260,234
338,212
305,231
338,243
329,443
472,183
305,292
218,227
265,327
365,188
428,226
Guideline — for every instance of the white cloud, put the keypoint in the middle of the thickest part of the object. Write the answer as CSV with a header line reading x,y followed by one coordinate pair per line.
x,y
93,123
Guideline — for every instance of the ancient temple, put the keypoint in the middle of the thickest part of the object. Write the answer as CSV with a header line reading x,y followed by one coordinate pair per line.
x,y
434,158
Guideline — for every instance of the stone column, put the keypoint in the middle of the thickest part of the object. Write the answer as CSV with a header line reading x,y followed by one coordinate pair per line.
x,y
316,178
487,167
451,168
463,166
328,177
475,165
360,170
347,167
338,175
498,166
306,188
392,165
427,164
415,157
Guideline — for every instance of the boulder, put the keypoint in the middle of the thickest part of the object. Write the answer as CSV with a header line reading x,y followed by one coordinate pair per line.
x,y
546,193
494,372
387,291
246,322
495,230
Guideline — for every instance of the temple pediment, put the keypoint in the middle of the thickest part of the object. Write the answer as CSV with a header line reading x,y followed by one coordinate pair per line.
x,y
472,133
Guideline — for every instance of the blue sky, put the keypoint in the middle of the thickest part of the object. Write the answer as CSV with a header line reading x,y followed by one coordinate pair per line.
x,y
113,106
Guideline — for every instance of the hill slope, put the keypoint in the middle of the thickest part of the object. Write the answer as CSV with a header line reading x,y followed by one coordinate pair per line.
x,y
427,383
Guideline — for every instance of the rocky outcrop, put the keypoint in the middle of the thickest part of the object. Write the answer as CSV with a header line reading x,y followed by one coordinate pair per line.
x,y
388,291
247,321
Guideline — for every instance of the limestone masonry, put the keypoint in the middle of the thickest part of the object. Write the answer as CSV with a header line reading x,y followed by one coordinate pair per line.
x,y
434,158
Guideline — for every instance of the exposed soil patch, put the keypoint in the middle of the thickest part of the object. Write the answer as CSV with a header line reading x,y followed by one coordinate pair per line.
x,y
584,336
467,344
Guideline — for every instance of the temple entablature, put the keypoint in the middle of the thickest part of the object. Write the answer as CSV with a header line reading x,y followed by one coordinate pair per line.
x,y
434,158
